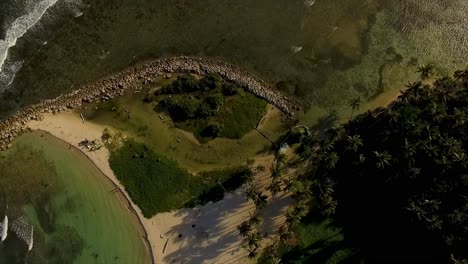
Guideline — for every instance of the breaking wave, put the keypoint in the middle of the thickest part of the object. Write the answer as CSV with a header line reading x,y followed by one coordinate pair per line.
x,y
32,12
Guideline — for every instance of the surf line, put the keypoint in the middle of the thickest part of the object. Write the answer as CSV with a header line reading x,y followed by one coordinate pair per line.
x,y
20,26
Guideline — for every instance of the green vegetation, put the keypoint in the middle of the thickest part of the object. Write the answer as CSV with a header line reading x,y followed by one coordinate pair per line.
x,y
391,184
160,135
209,107
396,179
157,184
313,242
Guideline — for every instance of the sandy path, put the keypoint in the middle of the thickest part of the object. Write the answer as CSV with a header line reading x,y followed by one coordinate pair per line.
x,y
208,233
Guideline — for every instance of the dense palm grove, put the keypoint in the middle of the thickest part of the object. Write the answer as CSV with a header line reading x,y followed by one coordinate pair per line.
x,y
396,179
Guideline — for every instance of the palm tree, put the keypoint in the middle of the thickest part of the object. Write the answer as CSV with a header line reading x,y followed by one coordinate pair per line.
x,y
459,117
281,158
408,149
253,240
250,191
253,253
425,71
336,133
299,192
414,85
331,159
284,233
255,220
354,142
327,202
355,104
275,186
292,219
301,209
383,159
288,184
244,228
261,201
276,172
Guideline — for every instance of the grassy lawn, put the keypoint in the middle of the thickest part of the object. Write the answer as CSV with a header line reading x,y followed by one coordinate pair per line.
x,y
157,184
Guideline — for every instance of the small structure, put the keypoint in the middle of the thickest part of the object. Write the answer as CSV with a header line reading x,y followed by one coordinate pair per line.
x,y
92,145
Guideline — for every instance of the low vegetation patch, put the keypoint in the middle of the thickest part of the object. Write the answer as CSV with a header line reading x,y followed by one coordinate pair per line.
x,y
209,107
157,184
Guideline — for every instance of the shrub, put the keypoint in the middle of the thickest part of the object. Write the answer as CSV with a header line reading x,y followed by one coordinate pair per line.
x,y
215,100
183,84
181,108
230,89
209,114
204,110
209,82
157,184
213,130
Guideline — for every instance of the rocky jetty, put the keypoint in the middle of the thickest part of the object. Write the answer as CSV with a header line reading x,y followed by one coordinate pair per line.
x,y
115,85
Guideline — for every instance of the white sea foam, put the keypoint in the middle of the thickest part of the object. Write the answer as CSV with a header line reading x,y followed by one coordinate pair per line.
x,y
295,49
36,9
75,6
309,3
20,26
7,75
4,229
23,231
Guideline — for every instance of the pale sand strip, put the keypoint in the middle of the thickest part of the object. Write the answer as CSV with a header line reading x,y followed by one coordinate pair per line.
x,y
213,239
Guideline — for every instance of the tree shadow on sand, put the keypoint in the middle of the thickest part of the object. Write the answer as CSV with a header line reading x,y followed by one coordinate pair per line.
x,y
209,233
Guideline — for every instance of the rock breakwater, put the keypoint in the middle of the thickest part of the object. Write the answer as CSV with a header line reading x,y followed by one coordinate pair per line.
x,y
144,73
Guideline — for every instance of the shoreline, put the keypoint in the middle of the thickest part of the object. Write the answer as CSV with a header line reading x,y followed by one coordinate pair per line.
x,y
209,231
126,202
54,125
141,74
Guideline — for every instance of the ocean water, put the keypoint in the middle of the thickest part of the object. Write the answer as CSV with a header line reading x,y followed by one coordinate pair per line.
x,y
76,216
321,52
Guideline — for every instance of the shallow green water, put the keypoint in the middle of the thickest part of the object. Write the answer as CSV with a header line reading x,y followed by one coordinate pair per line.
x,y
349,48
80,220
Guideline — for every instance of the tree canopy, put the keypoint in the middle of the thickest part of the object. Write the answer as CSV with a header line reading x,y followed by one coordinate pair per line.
x,y
396,179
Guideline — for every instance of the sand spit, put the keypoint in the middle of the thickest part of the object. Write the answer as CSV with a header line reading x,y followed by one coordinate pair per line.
x,y
144,73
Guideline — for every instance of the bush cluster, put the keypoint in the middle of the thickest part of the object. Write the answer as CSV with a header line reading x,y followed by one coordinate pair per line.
x,y
157,184
188,84
182,108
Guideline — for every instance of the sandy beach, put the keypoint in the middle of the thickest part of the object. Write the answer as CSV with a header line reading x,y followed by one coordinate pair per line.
x,y
205,234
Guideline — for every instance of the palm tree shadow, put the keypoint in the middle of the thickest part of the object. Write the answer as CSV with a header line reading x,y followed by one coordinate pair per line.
x,y
320,252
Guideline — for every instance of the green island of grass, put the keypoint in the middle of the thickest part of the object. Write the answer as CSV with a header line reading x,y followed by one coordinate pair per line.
x,y
157,184
209,107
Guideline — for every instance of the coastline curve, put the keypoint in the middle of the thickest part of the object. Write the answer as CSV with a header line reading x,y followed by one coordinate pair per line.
x,y
118,190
